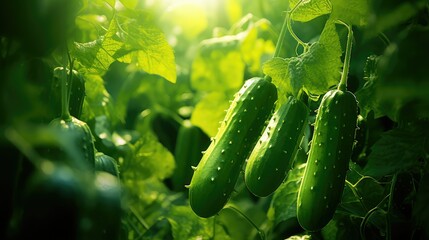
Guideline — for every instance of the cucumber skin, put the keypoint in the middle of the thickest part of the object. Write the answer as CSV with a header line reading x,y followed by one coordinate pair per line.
x,y
216,174
324,177
84,140
275,151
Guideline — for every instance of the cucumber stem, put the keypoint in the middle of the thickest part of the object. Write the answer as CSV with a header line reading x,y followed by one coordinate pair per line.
x,y
343,82
289,27
281,38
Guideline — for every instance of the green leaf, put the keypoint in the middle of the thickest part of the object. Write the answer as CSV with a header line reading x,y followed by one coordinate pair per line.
x,y
283,205
309,9
210,111
146,161
187,225
396,150
98,101
256,48
218,65
145,46
96,56
390,15
354,12
131,40
278,69
161,230
316,70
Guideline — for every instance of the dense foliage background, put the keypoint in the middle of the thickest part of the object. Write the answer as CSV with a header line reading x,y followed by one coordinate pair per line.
x,y
149,66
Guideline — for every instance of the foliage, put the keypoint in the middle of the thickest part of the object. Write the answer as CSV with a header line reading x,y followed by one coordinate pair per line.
x,y
185,60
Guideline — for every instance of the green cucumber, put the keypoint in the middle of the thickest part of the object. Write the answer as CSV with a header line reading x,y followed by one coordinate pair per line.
x,y
191,141
216,174
332,144
275,151
106,163
76,92
83,139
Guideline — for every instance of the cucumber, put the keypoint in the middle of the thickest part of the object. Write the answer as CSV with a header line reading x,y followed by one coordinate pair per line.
x,y
83,139
332,144
106,163
76,89
191,141
275,151
216,174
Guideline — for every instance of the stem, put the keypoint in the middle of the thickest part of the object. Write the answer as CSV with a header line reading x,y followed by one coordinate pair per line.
x,y
356,194
65,113
343,82
289,27
260,232
389,207
281,38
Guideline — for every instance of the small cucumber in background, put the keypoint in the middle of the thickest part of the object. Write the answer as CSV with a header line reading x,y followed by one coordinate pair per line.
x,y
191,142
216,174
106,163
275,151
328,161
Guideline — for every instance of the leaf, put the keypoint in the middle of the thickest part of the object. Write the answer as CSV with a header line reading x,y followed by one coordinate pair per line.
x,y
145,46
131,40
98,101
210,111
387,16
152,159
316,70
397,150
309,9
187,225
255,49
283,205
278,69
354,12
218,65
161,230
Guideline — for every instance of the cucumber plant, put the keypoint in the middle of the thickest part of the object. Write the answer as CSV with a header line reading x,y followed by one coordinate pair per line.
x,y
275,151
77,129
216,174
76,91
330,152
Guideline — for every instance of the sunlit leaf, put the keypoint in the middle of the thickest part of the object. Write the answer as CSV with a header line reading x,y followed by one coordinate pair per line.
x,y
309,9
353,12
278,69
145,46
255,49
316,70
98,101
218,65
210,111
